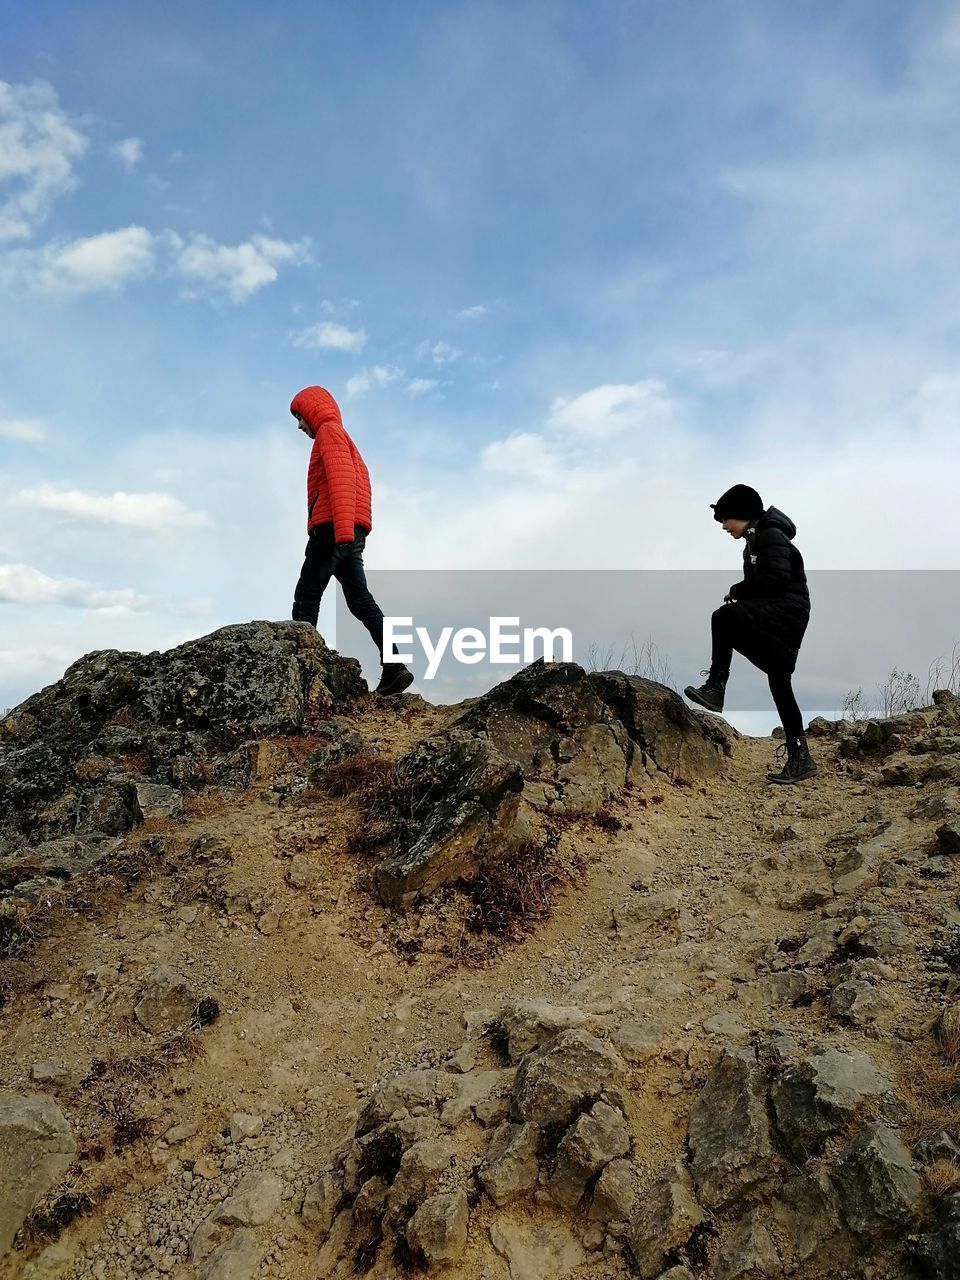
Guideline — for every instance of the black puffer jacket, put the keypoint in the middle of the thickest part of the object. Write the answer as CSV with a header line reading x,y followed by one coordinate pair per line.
x,y
773,595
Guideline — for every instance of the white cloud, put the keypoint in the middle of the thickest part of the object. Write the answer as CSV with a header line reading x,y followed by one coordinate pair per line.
x,y
372,379
473,313
421,386
135,510
93,263
38,144
440,352
525,456
129,152
329,336
235,270
613,408
22,584
26,430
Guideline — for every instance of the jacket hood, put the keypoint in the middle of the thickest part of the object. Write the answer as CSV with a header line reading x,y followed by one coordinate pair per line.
x,y
775,517
316,406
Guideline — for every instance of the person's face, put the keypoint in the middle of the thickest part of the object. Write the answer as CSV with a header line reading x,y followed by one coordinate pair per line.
x,y
736,528
304,426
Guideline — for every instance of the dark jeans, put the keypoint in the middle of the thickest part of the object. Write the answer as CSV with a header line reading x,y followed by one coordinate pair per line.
x,y
731,630
324,560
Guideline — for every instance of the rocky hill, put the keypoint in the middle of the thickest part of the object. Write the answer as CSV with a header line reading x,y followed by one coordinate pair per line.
x,y
297,983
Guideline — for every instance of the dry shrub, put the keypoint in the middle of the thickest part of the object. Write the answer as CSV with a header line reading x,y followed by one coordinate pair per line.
x,y
512,893
49,1220
361,777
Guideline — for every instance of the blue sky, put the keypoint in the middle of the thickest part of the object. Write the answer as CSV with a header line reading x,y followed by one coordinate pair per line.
x,y
570,270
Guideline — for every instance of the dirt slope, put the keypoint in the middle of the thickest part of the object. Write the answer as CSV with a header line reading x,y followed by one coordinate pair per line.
x,y
321,991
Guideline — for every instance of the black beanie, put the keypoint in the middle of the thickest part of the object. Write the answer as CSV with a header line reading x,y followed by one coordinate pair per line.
x,y
740,503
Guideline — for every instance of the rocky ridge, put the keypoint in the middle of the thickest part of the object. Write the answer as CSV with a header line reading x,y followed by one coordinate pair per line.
x,y
731,1051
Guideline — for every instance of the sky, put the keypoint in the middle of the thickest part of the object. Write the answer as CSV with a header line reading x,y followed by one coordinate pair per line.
x,y
571,271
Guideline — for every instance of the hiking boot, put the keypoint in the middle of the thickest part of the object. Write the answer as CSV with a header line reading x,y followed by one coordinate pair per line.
x,y
710,694
396,677
800,763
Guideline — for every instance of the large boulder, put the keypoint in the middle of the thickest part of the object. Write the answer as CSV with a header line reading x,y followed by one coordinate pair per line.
x,y
661,726
36,1149
73,755
584,736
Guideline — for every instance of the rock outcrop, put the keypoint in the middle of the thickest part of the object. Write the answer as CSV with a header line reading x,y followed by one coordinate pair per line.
x,y
85,755
552,741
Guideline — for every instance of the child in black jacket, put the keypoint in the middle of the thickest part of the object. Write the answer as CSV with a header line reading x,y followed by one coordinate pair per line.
x,y
764,617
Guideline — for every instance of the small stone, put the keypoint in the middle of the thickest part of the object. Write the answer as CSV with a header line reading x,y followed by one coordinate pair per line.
x,y
639,1041
510,1168
36,1149
858,1002
592,1141
236,1259
879,1191
166,1002
269,923
206,1167
749,1253
724,1023
666,1217
821,1095
48,1072
179,1133
942,1146
243,1125
255,1201
641,912
321,1202
157,801
302,872
553,1081
528,1024
729,1133
438,1229
465,1058
615,1192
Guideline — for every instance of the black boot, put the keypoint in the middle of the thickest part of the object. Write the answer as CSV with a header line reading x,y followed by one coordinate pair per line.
x,y
800,763
396,677
709,694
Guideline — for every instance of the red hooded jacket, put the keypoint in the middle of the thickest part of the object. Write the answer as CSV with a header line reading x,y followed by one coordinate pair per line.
x,y
338,483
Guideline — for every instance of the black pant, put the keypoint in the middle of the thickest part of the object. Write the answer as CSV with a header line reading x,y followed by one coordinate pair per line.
x,y
324,560
731,629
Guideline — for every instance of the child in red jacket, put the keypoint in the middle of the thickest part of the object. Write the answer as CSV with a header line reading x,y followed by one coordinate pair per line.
x,y
338,521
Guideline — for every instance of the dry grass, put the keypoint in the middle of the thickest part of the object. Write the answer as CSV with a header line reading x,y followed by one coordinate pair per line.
x,y
932,1088
359,777
513,892
942,1178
